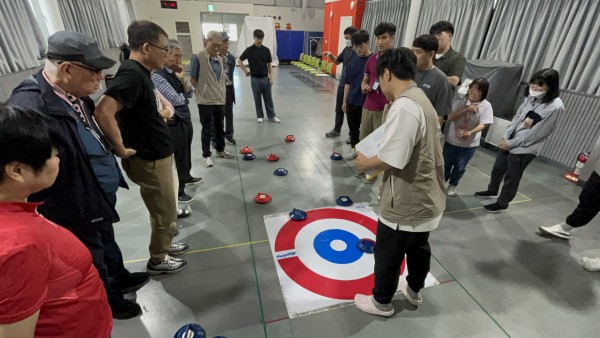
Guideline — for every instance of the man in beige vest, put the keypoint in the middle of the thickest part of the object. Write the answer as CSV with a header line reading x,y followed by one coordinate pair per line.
x,y
412,194
208,77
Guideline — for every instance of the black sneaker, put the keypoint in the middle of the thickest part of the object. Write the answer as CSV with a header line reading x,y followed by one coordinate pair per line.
x,y
486,194
332,133
125,309
185,198
494,208
230,140
348,141
133,282
194,181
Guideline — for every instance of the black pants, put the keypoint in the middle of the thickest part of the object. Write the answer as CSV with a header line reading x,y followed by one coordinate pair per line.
x,y
182,132
354,117
339,113
106,256
508,167
211,116
390,249
589,203
229,101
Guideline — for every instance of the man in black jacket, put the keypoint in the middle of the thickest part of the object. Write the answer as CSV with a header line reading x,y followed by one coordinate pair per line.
x,y
84,195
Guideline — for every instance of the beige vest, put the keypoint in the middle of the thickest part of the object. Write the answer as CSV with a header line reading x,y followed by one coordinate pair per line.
x,y
209,91
416,193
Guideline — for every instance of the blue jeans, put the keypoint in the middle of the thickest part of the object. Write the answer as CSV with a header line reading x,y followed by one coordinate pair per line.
x,y
261,87
455,161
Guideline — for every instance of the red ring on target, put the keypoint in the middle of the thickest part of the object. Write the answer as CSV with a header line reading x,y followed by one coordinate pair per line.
x,y
310,280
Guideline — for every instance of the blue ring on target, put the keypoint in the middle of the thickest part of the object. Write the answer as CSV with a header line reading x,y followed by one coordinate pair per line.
x,y
322,245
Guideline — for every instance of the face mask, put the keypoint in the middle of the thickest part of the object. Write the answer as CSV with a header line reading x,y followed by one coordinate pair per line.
x,y
535,94
348,43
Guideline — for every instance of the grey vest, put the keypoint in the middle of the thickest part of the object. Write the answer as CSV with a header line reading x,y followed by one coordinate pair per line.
x,y
209,90
416,193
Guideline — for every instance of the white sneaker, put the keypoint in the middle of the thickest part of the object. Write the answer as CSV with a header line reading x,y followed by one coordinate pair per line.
x,y
275,119
365,304
413,297
177,249
591,264
352,155
167,266
259,120
207,162
561,230
225,154
451,190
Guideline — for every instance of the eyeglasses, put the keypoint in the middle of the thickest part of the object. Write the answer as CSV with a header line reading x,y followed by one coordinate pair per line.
x,y
95,70
538,83
164,49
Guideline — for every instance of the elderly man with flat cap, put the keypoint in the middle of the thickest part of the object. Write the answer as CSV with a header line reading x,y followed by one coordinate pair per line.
x,y
83,197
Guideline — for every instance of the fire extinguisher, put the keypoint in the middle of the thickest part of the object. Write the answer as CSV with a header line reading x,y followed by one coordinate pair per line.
x,y
581,161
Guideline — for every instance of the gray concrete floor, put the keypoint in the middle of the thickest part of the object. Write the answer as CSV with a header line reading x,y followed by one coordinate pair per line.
x,y
499,278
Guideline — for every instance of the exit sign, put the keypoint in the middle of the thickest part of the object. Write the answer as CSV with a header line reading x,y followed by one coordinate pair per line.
x,y
168,4
211,7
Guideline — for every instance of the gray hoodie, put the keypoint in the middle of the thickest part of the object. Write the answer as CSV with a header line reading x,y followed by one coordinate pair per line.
x,y
532,124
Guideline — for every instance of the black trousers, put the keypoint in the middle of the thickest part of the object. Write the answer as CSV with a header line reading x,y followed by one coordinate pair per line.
x,y
390,249
354,116
106,256
182,132
229,101
339,113
211,116
589,203
508,167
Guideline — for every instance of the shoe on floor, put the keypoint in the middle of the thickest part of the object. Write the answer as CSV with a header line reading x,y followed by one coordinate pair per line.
x,y
348,141
365,304
177,249
207,162
125,309
333,133
486,194
259,120
183,213
494,208
275,119
451,190
133,282
224,154
413,297
352,155
360,175
230,140
561,230
370,179
194,181
166,266
184,198
591,264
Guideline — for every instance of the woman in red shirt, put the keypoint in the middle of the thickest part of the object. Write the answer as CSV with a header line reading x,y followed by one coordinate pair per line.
x,y
48,285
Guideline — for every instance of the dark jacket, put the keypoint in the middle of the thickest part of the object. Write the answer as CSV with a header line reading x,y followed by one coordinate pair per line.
x,y
76,200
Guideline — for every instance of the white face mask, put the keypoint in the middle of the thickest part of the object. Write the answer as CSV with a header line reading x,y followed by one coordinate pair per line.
x,y
535,94
348,43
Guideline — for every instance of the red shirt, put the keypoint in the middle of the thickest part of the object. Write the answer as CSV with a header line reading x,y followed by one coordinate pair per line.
x,y
45,267
376,100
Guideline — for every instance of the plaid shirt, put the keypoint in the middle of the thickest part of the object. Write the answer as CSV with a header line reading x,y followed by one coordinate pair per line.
x,y
165,88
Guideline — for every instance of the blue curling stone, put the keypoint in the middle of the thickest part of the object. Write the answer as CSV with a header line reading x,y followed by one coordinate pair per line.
x,y
366,245
280,172
336,156
249,157
297,214
190,330
344,201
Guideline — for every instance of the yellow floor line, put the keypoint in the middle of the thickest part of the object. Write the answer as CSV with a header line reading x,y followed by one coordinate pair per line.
x,y
488,176
205,250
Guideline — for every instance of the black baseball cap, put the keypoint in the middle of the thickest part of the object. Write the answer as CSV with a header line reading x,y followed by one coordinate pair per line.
x,y
74,46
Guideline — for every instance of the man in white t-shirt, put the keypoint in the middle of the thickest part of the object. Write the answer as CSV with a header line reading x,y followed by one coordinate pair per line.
x,y
412,194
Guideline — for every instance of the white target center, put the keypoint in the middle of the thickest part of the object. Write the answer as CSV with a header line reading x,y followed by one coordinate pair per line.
x,y
338,245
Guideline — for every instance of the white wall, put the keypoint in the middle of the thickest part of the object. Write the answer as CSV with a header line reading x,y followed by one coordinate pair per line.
x,y
190,11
